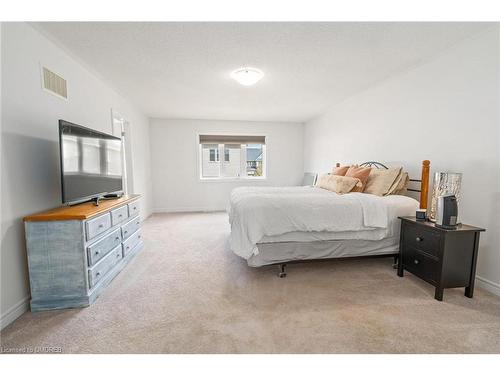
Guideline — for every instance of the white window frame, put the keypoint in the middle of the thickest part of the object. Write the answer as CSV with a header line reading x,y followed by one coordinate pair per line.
x,y
265,160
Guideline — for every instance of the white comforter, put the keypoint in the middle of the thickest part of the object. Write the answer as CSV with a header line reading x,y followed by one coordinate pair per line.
x,y
256,213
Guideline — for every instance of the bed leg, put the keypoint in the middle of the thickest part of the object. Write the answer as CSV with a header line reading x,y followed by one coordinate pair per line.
x,y
282,272
396,260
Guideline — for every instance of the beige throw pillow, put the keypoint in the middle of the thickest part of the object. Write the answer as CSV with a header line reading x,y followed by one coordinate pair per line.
x,y
380,181
399,186
338,184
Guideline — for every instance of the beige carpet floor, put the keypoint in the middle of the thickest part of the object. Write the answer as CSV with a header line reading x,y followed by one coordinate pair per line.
x,y
186,292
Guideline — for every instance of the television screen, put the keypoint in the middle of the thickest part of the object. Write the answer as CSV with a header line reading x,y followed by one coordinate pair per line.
x,y
91,163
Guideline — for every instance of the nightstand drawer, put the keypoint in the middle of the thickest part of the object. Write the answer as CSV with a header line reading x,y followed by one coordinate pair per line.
x,y
421,264
423,240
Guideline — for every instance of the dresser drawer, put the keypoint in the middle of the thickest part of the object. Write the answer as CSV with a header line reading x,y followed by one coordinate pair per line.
x,y
105,265
423,240
118,215
99,249
133,208
131,242
130,227
98,225
421,265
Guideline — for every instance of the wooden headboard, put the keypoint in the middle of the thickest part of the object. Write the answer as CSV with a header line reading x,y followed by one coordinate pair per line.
x,y
423,180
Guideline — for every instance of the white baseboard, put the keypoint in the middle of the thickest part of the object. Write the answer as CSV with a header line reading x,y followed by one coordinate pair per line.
x,y
488,285
14,312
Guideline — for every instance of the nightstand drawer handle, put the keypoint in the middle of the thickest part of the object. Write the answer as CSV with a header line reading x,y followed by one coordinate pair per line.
x,y
419,239
416,261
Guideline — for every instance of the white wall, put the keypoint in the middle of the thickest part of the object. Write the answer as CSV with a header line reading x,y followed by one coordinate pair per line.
x,y
30,156
174,156
447,111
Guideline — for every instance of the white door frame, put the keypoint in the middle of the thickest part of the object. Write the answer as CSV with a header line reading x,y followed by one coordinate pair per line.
x,y
121,128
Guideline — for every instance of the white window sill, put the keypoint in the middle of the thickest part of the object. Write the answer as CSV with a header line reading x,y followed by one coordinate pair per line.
x,y
232,179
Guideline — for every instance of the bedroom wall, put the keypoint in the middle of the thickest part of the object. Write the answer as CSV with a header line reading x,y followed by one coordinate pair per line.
x,y
174,150
30,157
447,111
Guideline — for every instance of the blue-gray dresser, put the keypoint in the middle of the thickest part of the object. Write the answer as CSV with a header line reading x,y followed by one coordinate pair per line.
x,y
74,252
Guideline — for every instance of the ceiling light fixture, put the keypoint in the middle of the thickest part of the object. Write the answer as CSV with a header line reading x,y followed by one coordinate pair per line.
x,y
247,76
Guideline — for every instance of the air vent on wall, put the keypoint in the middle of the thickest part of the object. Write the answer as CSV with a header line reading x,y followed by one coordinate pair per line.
x,y
54,83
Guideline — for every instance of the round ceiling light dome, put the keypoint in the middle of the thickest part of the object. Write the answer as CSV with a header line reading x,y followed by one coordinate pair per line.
x,y
247,76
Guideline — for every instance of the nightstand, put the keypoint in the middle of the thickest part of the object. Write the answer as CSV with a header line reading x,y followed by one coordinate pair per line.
x,y
445,258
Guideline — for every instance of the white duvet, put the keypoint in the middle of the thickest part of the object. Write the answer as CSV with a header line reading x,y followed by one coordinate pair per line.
x,y
256,213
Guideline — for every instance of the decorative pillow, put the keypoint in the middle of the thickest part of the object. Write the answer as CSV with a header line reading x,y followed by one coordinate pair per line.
x,y
359,172
399,186
340,171
338,184
380,181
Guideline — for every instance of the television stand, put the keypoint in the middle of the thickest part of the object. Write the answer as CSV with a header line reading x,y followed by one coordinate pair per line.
x,y
74,252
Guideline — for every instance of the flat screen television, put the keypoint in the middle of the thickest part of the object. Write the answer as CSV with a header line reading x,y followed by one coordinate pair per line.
x,y
91,164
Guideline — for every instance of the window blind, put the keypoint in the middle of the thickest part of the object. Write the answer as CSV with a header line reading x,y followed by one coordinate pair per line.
x,y
232,139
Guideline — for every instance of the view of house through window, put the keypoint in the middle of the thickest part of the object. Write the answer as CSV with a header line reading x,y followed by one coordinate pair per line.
x,y
240,156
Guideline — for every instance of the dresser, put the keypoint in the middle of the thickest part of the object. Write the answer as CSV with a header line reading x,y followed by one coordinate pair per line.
x,y
445,258
74,252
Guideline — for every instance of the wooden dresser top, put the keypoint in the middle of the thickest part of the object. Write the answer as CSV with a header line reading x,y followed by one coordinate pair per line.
x,y
81,211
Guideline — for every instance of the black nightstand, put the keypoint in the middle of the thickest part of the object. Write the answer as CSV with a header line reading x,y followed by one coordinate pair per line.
x,y
445,258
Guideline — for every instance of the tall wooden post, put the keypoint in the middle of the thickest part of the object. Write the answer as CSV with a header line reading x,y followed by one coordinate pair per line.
x,y
424,188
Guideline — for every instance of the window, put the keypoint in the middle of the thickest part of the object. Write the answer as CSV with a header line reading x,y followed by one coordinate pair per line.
x,y
244,157
214,153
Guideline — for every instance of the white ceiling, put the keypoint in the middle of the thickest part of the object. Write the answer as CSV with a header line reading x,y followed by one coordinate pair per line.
x,y
182,70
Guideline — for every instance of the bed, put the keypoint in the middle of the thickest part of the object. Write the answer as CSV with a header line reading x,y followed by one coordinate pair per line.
x,y
281,225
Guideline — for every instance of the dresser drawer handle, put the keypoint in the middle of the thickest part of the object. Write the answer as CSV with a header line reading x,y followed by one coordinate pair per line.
x,y
117,238
117,255
98,274
128,247
135,208
416,261
419,239
101,225
97,253
120,215
126,232
139,236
